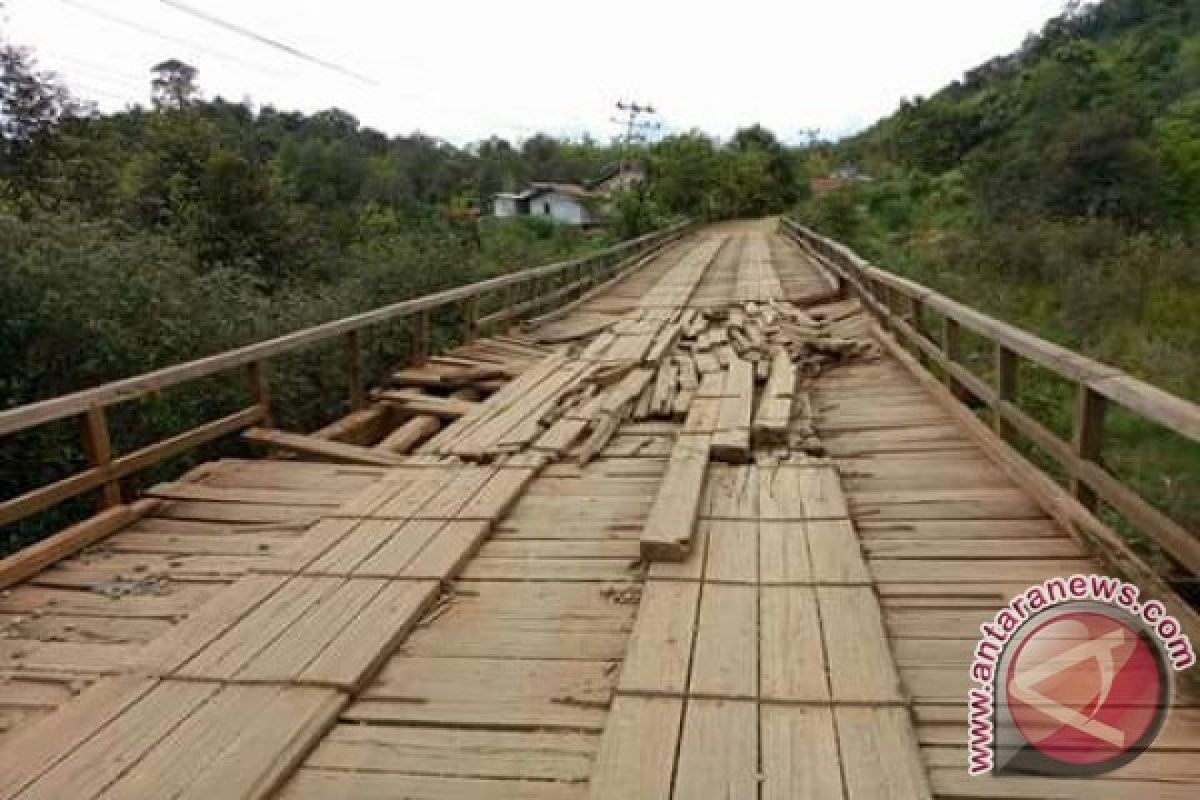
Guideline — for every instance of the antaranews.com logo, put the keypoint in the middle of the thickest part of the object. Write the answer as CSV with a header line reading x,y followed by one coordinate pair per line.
x,y
1074,679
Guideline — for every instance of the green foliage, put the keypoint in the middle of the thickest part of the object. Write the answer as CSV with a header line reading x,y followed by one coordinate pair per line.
x,y
752,175
145,238
1059,188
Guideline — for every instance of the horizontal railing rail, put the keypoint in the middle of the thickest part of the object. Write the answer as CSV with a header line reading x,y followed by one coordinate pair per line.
x,y
525,291
901,306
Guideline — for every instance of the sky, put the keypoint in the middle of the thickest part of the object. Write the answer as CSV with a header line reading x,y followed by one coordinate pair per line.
x,y
464,70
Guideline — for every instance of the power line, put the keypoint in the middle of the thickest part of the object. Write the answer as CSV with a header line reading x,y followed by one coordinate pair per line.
x,y
166,37
258,37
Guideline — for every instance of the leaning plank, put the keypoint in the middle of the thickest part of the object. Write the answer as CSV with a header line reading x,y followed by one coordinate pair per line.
x,y
443,407
668,530
320,448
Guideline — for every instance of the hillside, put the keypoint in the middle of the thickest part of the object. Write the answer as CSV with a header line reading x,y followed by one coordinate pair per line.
x,y
1058,187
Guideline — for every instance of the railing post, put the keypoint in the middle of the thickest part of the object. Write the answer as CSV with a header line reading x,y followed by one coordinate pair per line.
x,y
260,390
98,447
471,318
1006,388
917,309
358,396
420,338
952,346
1090,410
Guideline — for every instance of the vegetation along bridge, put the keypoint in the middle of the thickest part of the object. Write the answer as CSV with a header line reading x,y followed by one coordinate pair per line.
x,y
722,522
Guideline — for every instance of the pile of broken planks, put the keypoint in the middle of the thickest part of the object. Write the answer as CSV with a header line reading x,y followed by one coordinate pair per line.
x,y
228,702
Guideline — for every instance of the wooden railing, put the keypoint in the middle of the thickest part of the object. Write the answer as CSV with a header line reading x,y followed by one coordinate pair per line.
x,y
514,296
905,308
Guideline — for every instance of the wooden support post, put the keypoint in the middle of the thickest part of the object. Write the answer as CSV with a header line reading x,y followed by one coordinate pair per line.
x,y
98,446
1006,388
952,346
420,338
358,395
917,309
470,312
1090,410
260,390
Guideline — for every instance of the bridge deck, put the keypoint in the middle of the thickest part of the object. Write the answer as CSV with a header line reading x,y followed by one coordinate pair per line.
x,y
451,630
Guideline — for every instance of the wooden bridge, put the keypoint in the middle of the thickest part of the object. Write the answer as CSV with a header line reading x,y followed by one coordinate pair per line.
x,y
717,524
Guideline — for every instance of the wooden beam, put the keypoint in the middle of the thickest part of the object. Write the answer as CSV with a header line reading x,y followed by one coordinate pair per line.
x,y
358,392
33,559
321,449
47,496
98,447
420,338
1088,439
260,390
1006,387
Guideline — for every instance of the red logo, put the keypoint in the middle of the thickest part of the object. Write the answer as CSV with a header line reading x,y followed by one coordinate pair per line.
x,y
1084,691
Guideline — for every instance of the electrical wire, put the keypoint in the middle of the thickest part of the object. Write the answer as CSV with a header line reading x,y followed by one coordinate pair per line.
x,y
261,39
166,37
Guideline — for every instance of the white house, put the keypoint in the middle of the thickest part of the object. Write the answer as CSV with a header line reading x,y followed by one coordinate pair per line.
x,y
561,202
568,203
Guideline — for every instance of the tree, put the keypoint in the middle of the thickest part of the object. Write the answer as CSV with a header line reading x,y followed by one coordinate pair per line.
x,y
174,85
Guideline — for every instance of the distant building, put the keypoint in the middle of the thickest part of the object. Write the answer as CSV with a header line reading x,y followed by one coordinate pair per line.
x,y
842,176
569,203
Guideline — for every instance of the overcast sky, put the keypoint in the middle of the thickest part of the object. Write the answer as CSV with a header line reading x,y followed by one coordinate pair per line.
x,y
467,69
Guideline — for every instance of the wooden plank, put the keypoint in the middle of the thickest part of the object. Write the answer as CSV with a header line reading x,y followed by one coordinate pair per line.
x,y
837,556
731,442
660,646
431,405
668,529
349,552
553,756
29,561
718,754
861,668
775,408
799,753
880,758
169,652
391,554
39,747
320,448
265,752
103,758
784,556
488,693
319,784
793,667
444,556
284,659
230,652
498,495
801,493
359,650
733,554
637,752
726,654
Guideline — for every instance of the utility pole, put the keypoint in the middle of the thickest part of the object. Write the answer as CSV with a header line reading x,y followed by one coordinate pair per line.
x,y
635,128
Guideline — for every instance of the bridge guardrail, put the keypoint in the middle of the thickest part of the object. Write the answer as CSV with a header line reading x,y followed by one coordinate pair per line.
x,y
901,306
525,291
